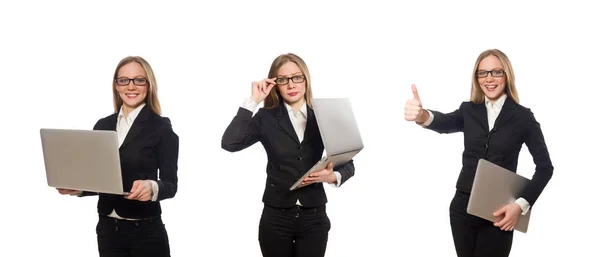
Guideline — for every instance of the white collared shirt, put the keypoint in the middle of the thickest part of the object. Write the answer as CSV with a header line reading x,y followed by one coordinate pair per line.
x,y
298,119
493,110
124,124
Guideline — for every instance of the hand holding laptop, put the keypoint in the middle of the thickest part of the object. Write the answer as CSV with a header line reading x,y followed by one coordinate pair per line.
x,y
63,191
324,175
509,215
141,191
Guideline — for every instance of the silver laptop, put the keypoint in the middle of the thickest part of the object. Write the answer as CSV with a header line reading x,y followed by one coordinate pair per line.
x,y
493,187
85,160
339,132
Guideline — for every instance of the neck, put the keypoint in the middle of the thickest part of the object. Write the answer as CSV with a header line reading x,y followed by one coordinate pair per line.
x,y
297,105
493,101
127,109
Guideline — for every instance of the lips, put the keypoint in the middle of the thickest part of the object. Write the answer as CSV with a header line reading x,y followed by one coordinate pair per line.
x,y
131,95
292,94
491,87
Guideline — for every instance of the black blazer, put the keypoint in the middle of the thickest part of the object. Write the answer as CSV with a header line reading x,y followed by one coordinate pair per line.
x,y
150,145
514,126
288,159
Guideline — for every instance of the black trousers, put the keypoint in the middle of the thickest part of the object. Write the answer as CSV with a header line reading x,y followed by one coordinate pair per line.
x,y
474,236
124,238
293,232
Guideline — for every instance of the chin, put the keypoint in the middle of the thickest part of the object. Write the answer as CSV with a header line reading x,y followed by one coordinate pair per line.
x,y
291,100
134,104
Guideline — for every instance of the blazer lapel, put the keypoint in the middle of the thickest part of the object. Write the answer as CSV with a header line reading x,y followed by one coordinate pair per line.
x,y
311,123
137,127
506,112
481,116
113,124
285,123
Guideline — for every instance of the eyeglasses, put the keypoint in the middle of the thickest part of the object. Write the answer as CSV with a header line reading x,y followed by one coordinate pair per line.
x,y
123,81
284,81
484,73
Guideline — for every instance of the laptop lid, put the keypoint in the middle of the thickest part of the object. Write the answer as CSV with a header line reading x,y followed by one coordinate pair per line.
x,y
494,187
337,125
82,160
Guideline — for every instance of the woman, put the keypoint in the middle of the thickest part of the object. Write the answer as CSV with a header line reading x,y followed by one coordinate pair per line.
x,y
131,225
293,223
495,127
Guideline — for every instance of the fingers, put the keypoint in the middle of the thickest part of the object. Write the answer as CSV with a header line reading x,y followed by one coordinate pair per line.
x,y
502,222
63,191
330,166
139,191
510,226
268,84
506,226
269,88
415,92
305,183
412,109
317,174
136,190
271,81
500,212
260,89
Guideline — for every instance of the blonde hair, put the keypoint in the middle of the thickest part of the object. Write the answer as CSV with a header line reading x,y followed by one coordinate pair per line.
x,y
272,101
477,94
152,96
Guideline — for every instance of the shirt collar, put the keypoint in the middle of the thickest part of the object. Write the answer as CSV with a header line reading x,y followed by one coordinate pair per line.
x,y
293,112
133,114
499,103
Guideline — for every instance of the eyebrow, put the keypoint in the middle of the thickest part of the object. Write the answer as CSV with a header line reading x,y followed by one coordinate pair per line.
x,y
497,68
136,77
292,75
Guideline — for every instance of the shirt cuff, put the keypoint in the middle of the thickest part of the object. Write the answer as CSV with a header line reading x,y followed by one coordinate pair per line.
x,y
249,104
338,178
524,205
154,190
428,121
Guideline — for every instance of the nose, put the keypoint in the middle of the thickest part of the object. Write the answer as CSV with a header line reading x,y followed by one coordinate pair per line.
x,y
489,77
131,86
291,84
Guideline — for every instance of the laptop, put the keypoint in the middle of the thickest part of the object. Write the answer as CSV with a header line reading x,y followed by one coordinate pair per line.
x,y
86,160
493,187
339,132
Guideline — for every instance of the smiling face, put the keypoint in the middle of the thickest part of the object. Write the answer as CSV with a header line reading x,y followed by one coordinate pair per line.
x,y
491,77
294,90
132,85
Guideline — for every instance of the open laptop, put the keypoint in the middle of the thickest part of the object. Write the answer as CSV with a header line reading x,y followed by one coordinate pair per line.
x,y
339,132
86,160
493,187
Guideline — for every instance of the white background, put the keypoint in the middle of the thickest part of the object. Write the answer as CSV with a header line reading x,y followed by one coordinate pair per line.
x,y
57,59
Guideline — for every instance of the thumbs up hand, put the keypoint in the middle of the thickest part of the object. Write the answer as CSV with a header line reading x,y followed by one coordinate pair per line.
x,y
413,110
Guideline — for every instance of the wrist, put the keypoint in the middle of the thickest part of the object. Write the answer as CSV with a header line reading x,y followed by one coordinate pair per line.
x,y
332,178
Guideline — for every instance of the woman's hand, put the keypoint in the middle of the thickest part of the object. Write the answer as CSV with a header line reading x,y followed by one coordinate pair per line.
x,y
261,89
511,214
141,191
63,191
413,110
325,175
